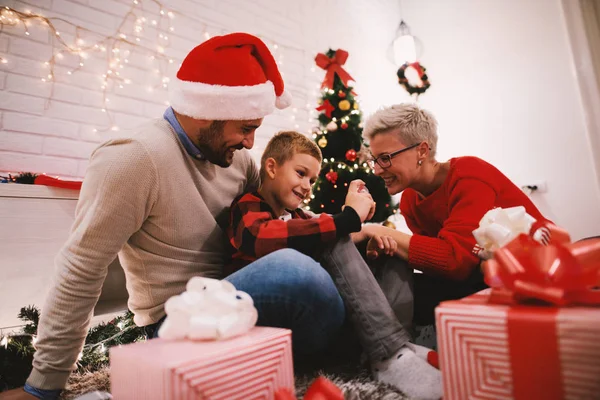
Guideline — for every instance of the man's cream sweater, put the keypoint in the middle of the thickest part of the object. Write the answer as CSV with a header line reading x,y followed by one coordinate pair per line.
x,y
163,212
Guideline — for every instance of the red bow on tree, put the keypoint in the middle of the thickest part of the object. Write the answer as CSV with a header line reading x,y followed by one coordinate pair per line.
x,y
560,273
321,389
326,107
333,66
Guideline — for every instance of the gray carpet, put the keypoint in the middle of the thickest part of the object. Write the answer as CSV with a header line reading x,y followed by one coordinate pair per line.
x,y
355,386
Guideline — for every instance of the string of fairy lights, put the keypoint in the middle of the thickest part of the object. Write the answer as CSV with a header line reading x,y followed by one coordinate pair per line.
x,y
145,30
99,346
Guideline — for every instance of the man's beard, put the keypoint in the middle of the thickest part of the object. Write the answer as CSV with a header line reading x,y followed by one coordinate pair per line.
x,y
210,143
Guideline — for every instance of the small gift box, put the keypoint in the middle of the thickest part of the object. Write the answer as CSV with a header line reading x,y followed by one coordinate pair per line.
x,y
535,334
208,349
251,366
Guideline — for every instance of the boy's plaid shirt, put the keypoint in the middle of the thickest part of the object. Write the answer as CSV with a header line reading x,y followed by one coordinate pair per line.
x,y
254,230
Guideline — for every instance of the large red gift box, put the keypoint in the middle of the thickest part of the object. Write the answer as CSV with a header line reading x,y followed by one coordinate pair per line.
x,y
534,335
251,366
494,351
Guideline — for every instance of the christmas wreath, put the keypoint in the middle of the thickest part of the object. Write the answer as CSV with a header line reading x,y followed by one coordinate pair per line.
x,y
423,83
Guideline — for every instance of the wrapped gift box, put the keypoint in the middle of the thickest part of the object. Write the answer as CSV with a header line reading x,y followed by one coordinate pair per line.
x,y
515,351
251,366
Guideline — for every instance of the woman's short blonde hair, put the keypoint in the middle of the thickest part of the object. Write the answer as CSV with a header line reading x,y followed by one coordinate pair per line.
x,y
410,122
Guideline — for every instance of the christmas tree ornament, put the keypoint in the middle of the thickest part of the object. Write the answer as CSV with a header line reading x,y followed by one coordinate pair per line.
x,y
344,126
389,224
355,105
344,105
327,108
351,155
332,176
322,142
332,126
341,94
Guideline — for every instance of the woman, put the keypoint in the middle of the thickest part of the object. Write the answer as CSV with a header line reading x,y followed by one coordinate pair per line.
x,y
442,203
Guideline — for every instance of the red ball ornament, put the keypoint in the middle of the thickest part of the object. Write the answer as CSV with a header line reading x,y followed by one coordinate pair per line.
x,y
344,126
341,94
332,176
351,155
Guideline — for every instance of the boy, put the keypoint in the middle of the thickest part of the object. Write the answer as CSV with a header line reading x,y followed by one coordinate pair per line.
x,y
270,219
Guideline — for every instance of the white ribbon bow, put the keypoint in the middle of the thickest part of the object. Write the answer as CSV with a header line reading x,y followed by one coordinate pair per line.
x,y
498,227
208,309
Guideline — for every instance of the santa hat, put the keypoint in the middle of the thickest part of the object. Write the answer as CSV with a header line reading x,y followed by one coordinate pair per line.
x,y
230,77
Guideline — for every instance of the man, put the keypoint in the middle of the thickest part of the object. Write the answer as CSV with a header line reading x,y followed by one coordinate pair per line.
x,y
159,199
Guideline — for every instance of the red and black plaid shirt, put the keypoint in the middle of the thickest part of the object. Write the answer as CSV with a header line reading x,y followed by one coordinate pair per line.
x,y
255,231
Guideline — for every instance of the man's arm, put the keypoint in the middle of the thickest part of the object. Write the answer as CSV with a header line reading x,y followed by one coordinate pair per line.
x,y
119,190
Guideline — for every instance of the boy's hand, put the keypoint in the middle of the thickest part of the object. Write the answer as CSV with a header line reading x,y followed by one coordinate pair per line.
x,y
362,203
379,245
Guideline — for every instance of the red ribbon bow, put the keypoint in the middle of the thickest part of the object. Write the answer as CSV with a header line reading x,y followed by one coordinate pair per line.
x,y
418,68
333,66
560,273
321,389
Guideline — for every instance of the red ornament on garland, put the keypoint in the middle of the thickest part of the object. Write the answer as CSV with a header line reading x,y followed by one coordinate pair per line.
x,y
327,108
351,155
341,94
332,176
344,126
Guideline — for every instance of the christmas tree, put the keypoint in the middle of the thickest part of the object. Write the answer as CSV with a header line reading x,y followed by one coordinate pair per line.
x,y
340,139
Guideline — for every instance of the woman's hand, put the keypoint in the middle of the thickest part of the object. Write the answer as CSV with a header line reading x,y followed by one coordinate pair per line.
x,y
395,243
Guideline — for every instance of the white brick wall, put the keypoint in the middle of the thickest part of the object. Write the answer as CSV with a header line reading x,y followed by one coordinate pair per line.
x,y
57,136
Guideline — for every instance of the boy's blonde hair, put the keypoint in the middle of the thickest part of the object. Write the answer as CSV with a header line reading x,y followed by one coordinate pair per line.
x,y
284,145
412,124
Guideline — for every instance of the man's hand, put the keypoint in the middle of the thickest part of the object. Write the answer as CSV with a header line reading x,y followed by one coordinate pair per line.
x,y
362,203
17,394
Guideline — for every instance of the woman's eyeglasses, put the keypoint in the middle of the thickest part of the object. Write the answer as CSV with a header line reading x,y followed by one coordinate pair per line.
x,y
385,160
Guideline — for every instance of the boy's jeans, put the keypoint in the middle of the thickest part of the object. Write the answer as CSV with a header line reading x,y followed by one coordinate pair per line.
x,y
379,305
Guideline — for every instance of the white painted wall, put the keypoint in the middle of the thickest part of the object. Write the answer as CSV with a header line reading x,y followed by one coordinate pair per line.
x,y
504,88
503,84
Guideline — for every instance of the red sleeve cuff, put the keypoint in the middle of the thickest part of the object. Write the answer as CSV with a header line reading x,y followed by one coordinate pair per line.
x,y
435,256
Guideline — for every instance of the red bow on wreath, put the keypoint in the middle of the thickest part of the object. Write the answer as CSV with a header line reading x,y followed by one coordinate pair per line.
x,y
417,68
333,66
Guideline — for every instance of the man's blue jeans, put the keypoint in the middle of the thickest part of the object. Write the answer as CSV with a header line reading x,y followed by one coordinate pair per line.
x,y
291,290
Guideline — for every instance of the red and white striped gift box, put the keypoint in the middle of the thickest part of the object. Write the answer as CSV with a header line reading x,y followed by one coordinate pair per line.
x,y
495,351
251,366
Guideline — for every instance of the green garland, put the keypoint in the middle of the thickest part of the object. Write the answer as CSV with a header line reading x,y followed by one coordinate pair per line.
x,y
24,177
16,351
